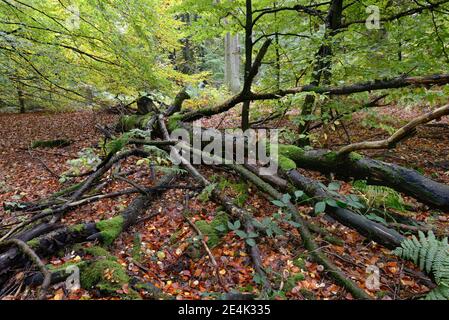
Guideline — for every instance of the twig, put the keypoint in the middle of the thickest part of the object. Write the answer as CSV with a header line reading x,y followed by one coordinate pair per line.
x,y
209,252
22,246
43,164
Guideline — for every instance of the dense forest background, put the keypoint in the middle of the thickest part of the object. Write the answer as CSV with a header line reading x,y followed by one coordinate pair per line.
x,y
90,91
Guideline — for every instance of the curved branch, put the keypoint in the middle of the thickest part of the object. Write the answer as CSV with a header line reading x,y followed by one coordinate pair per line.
x,y
400,135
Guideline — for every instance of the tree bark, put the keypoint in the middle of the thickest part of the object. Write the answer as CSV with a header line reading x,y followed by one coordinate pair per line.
x,y
354,165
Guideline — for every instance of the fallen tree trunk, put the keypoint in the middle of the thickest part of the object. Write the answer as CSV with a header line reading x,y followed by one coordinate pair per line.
x,y
105,231
389,238
354,165
374,231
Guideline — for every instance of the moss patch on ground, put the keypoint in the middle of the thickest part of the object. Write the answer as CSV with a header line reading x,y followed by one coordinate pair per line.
x,y
60,143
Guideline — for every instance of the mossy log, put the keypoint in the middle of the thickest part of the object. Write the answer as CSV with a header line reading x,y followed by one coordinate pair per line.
x,y
377,232
60,143
354,165
106,231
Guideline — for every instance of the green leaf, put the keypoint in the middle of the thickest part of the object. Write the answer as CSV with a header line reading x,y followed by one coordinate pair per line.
x,y
332,203
220,228
241,234
334,186
278,203
320,207
299,194
251,242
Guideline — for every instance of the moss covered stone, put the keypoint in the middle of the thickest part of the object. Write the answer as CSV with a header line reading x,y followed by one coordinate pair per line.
x,y
110,229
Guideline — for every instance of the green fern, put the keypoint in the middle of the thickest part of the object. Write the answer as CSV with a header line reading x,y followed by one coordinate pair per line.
x,y
432,256
439,293
156,151
170,170
380,196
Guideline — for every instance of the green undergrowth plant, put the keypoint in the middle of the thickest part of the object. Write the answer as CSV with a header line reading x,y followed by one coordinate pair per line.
x,y
215,229
432,257
379,196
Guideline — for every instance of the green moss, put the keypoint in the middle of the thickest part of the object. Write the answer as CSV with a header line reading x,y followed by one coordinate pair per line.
x,y
50,144
241,190
300,263
67,190
66,265
308,295
137,247
143,120
175,237
221,219
127,123
173,121
97,251
334,240
33,243
331,156
106,275
110,229
354,156
210,229
77,228
290,151
286,164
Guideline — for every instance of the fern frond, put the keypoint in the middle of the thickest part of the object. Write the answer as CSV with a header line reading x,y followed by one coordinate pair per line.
x,y
439,293
170,170
432,256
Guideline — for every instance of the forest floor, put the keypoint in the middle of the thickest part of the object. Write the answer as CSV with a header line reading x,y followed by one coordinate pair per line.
x,y
165,259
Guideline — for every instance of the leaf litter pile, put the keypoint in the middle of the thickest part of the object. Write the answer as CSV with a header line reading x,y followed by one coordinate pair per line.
x,y
164,251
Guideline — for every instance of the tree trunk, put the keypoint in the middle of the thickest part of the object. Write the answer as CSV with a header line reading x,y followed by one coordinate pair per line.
x,y
354,165
232,63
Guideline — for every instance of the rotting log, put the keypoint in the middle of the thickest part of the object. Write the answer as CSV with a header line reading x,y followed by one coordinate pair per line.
x,y
374,231
354,165
377,232
105,231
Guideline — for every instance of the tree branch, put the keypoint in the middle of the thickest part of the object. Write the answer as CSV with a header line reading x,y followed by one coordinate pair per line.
x,y
401,134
